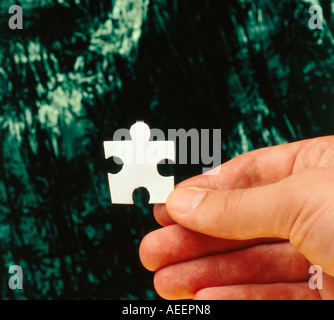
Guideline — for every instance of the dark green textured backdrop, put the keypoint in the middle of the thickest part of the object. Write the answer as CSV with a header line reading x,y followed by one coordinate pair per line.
x,y
79,70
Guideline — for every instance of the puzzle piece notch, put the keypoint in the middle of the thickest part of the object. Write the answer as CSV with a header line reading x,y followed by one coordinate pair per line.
x,y
140,159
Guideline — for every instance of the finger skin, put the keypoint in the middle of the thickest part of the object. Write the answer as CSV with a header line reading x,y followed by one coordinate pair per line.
x,y
275,291
327,290
260,167
257,173
174,244
267,263
240,214
299,208
161,215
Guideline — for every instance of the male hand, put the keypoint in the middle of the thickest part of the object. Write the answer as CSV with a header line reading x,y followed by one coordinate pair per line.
x,y
252,230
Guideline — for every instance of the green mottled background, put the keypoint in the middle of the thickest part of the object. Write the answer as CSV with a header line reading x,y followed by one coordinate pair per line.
x,y
81,69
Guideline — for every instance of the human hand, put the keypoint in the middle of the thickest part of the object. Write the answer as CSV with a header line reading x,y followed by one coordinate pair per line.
x,y
256,201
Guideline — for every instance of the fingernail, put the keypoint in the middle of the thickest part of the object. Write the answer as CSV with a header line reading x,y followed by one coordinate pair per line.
x,y
187,199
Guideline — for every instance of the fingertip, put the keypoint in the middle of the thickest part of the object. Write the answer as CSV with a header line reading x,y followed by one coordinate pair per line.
x,y
158,283
161,211
182,206
185,200
161,215
167,286
146,250
204,294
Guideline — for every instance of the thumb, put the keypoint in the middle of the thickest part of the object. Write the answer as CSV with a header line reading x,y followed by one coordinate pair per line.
x,y
298,208
234,214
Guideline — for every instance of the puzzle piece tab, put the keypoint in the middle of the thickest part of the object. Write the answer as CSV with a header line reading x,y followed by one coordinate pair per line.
x,y
140,157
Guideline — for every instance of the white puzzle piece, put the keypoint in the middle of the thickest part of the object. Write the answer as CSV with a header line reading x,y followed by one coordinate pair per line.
x,y
140,157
